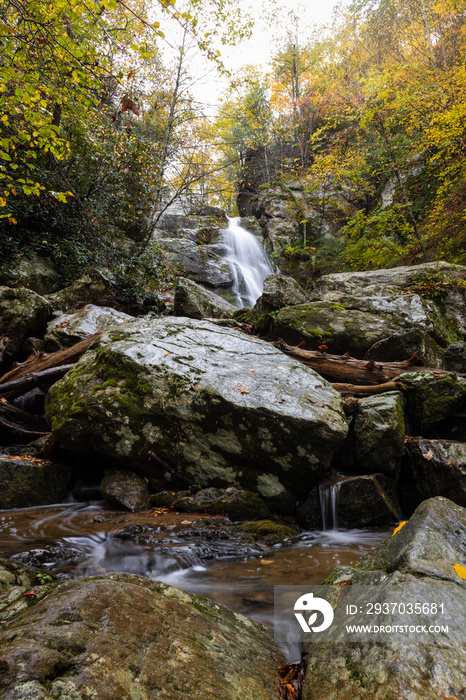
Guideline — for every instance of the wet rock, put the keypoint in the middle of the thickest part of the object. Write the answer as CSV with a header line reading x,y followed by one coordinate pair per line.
x,y
126,489
92,288
377,436
127,636
367,500
195,301
199,262
23,313
355,324
404,344
433,468
35,273
31,482
422,554
233,502
309,511
67,329
279,291
267,532
430,398
220,406
163,499
455,357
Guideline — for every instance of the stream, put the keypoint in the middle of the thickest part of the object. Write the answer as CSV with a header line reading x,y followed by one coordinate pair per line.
x,y
76,539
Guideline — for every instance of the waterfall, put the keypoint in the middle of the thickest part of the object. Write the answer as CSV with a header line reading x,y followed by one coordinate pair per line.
x,y
247,260
329,492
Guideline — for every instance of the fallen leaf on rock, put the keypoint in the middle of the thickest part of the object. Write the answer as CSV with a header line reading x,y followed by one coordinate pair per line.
x,y
428,455
397,529
280,367
265,562
320,404
32,594
242,389
460,570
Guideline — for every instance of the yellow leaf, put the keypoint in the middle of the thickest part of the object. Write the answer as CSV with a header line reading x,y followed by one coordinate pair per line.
x,y
460,570
2,202
397,529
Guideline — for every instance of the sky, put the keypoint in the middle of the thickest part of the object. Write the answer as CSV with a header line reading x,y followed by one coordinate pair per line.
x,y
258,50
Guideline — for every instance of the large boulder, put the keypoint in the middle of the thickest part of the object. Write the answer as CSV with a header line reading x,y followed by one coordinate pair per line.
x,y
195,301
34,272
421,556
67,329
441,281
26,482
206,401
124,636
233,502
23,313
200,262
404,344
92,288
433,468
127,489
354,324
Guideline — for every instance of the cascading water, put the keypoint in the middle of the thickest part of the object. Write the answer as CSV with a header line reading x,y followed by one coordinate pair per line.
x,y
329,493
247,260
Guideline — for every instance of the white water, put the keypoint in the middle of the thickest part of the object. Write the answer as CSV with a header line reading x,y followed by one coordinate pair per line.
x,y
329,493
247,260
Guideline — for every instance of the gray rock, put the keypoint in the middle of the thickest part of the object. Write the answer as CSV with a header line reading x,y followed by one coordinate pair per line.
x,y
68,329
433,468
35,273
92,288
195,301
455,357
23,313
309,511
220,406
367,500
122,635
430,398
233,502
402,346
199,262
126,489
26,482
378,435
422,555
279,291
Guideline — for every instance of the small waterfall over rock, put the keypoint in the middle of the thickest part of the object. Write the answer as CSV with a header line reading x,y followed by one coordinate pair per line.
x,y
247,260
329,492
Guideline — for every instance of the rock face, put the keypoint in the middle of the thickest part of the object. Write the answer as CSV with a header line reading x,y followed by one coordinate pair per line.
x,y
26,482
92,288
35,273
422,554
433,468
214,404
67,329
200,262
235,503
23,313
195,301
402,346
121,635
431,398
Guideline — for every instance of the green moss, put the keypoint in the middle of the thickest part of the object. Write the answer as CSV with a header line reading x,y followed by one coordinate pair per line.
x,y
354,674
266,531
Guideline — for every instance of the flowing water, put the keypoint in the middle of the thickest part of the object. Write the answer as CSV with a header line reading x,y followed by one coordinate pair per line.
x,y
247,260
76,539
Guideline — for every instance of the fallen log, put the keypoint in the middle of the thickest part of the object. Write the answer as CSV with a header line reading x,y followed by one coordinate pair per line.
x,y
44,379
40,362
349,370
20,426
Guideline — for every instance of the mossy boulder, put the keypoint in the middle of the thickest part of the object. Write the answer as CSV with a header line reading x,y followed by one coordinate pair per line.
x,y
23,313
355,324
31,482
127,489
455,357
34,272
195,301
94,287
236,503
122,635
377,436
267,532
216,405
67,329
367,500
430,397
433,468
422,555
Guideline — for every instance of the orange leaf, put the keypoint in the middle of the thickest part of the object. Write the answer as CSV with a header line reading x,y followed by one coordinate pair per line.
x,y
460,570
397,529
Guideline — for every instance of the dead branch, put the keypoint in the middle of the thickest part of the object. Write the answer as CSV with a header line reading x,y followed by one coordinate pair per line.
x,y
44,379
